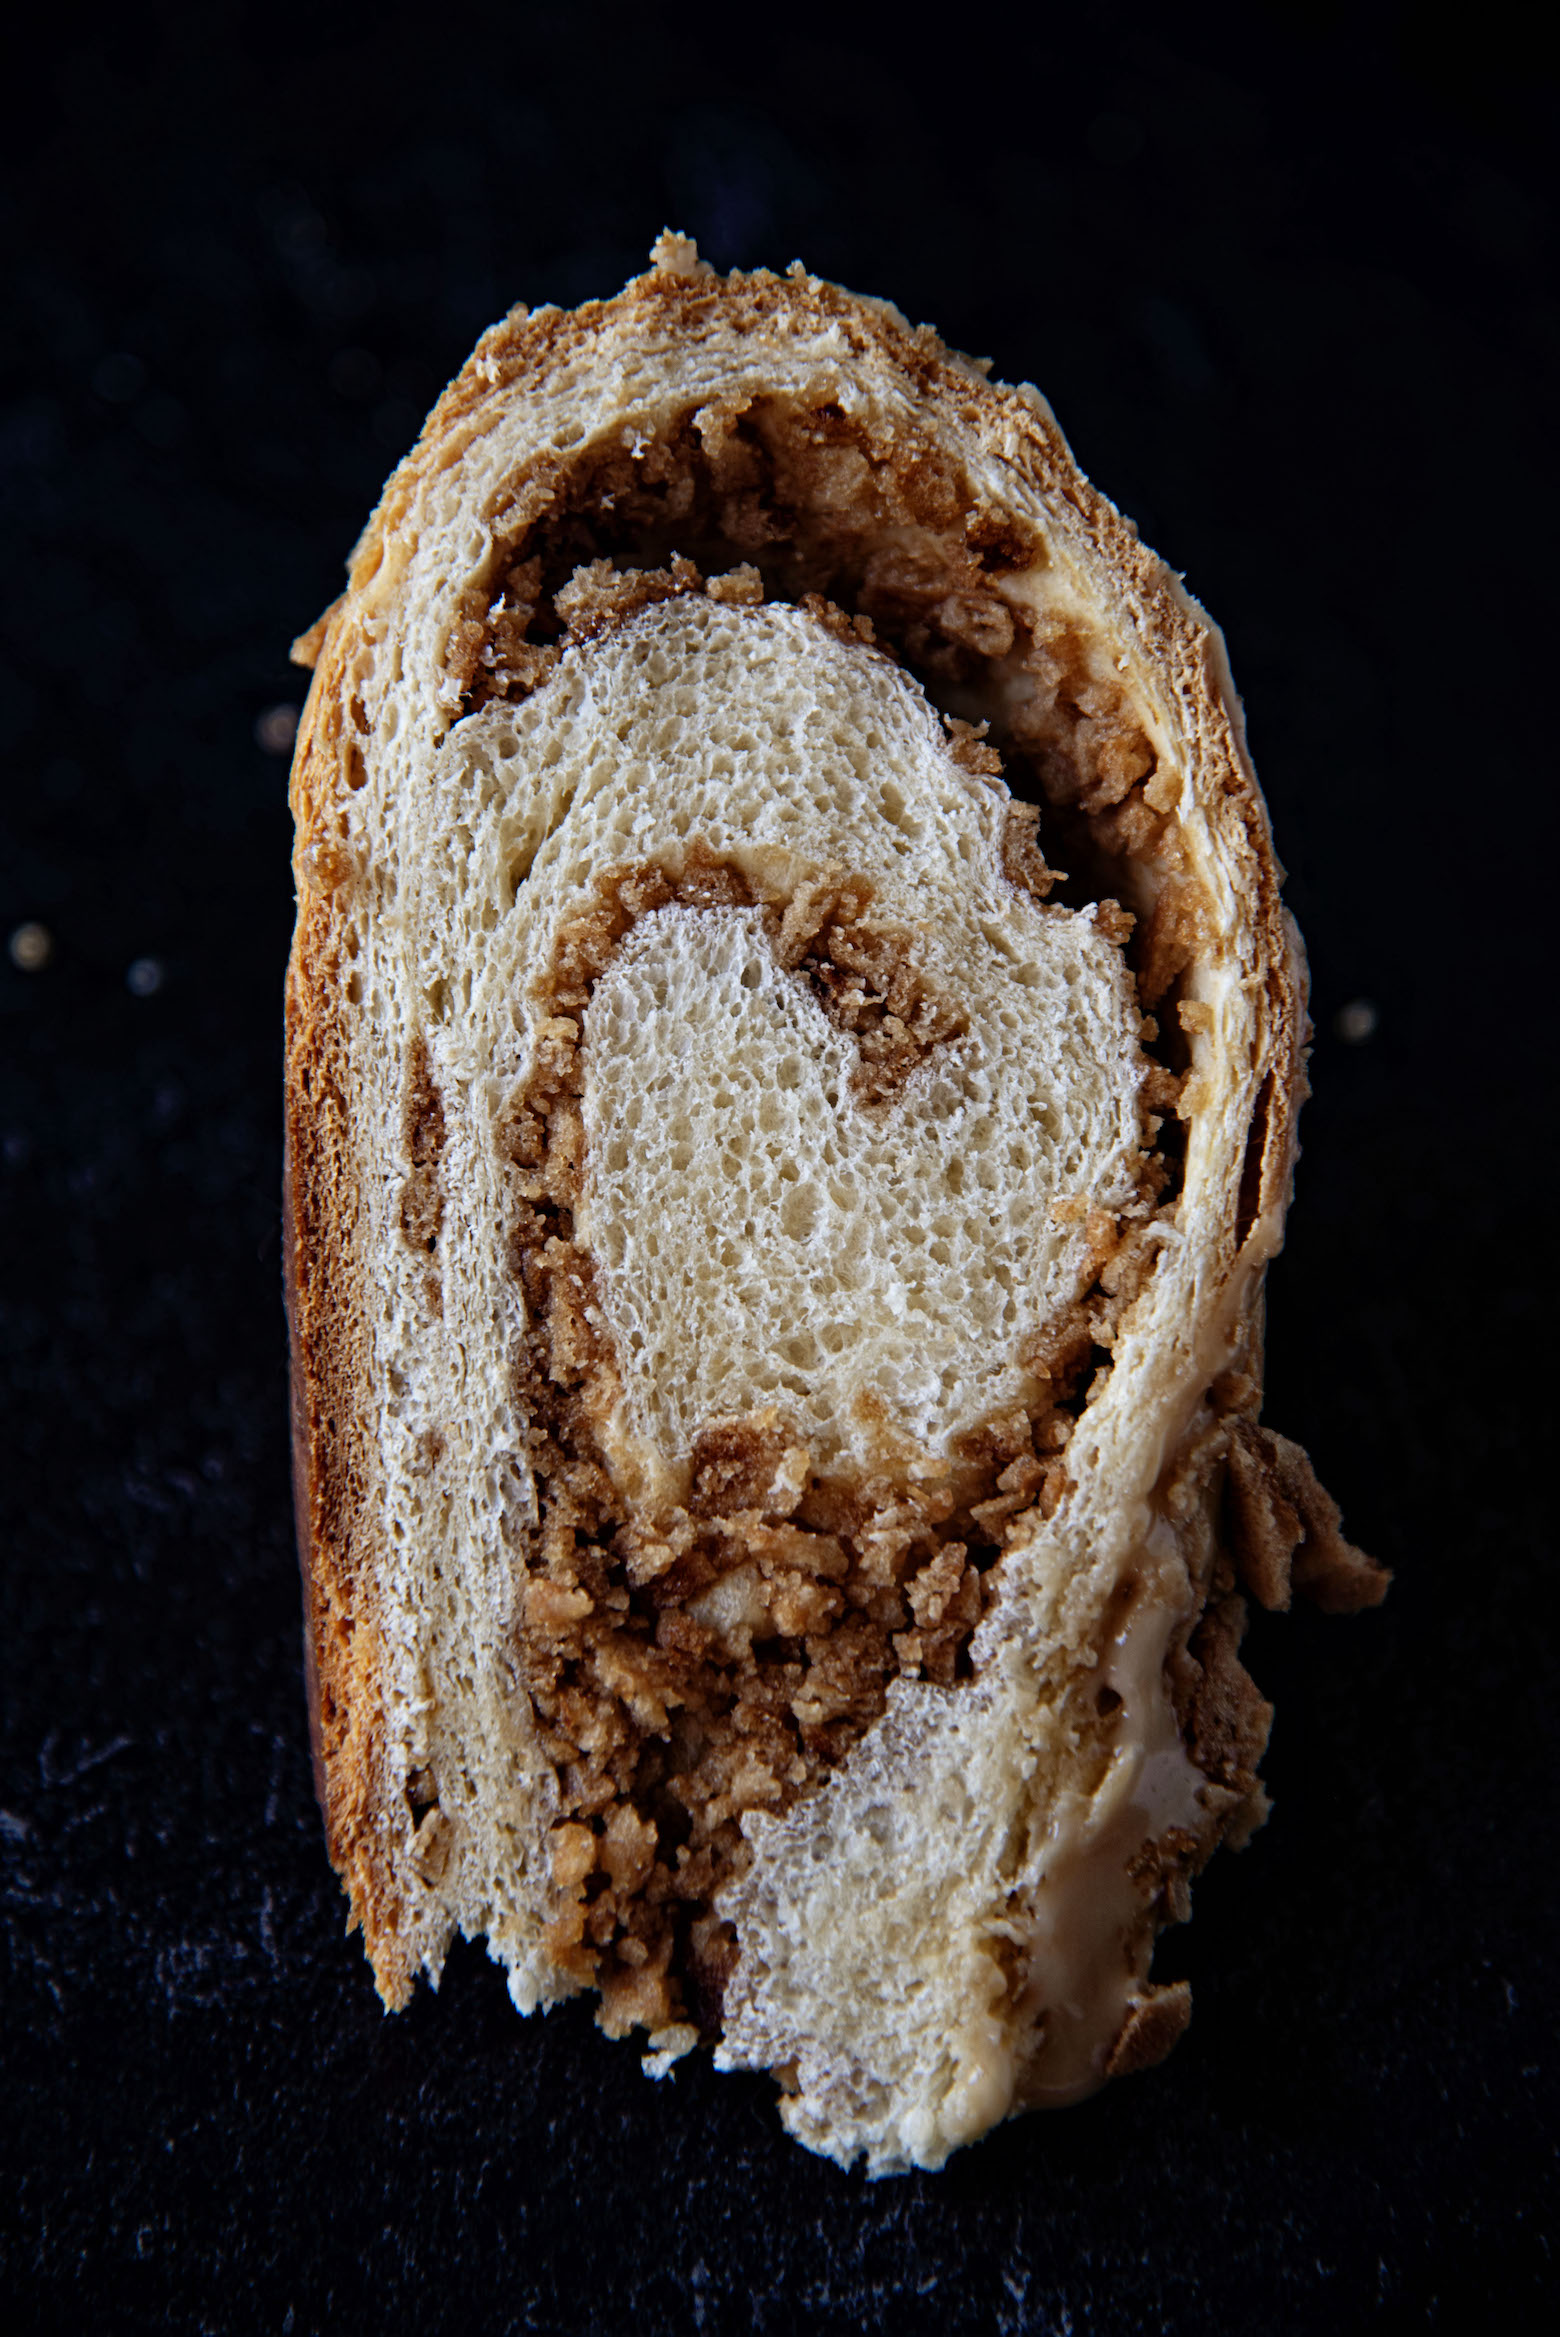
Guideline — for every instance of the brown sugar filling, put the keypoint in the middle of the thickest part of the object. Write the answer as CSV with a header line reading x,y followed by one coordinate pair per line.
x,y
723,1654
888,530
883,535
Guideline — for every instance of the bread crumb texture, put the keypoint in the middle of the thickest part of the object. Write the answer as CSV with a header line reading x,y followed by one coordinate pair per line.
x,y
793,1056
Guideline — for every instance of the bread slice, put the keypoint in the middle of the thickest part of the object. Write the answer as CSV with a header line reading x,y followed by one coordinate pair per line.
x,y
775,1267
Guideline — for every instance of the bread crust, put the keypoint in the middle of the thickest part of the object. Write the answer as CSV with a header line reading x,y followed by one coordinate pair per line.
x,y
1232,1494
332,1469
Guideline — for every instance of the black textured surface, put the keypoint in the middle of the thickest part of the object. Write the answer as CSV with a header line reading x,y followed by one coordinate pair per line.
x,y
1292,298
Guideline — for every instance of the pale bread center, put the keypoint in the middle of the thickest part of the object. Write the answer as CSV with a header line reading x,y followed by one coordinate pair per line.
x,y
762,1236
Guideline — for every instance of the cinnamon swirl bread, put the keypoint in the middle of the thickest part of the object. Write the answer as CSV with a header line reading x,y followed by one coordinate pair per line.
x,y
793,1055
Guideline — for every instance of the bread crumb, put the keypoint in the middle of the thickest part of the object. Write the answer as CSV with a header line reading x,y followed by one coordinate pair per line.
x,y
673,254
667,2047
30,948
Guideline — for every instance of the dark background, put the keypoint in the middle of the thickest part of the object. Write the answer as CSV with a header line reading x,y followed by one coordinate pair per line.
x,y
1287,278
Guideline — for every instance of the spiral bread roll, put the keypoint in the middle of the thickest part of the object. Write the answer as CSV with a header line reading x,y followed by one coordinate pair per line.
x,y
775,1265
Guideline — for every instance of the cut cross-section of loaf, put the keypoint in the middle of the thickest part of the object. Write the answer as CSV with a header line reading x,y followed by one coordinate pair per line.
x,y
793,1055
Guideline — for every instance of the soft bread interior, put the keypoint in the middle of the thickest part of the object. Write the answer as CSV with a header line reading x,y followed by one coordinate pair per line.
x,y
764,1232
857,1254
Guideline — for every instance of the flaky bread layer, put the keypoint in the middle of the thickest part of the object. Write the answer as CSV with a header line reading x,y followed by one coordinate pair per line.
x,y
857,1684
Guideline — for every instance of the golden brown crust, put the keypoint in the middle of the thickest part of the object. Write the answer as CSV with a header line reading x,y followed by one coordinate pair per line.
x,y
305,651
333,1461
